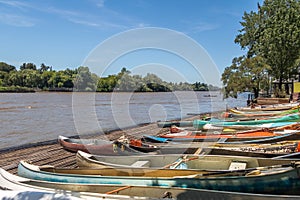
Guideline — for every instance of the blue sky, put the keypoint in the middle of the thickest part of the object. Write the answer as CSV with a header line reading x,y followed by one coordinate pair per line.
x,y
62,33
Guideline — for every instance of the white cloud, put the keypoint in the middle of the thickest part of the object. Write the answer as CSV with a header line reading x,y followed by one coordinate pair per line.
x,y
17,20
13,13
192,27
142,25
15,4
106,19
62,12
83,22
100,3
201,27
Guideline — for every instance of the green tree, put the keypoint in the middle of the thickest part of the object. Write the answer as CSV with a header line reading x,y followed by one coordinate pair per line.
x,y
85,80
31,78
54,80
198,86
273,33
4,67
15,78
245,74
107,84
3,78
45,79
126,83
44,68
28,66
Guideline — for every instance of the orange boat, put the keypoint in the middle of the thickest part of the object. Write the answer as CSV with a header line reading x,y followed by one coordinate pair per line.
x,y
216,135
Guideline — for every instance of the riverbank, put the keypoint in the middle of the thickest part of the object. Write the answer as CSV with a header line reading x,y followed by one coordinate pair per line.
x,y
16,89
51,153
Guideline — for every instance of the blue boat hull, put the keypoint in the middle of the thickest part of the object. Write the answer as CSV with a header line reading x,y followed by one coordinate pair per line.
x,y
199,124
285,182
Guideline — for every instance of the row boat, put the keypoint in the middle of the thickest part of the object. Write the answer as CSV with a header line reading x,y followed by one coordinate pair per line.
x,y
232,140
22,185
216,135
283,179
97,146
208,126
266,147
274,107
198,124
238,113
16,187
187,161
267,126
267,151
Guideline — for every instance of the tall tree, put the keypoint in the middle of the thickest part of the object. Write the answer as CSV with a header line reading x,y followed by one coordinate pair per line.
x,y
6,67
28,66
43,68
273,32
245,74
85,80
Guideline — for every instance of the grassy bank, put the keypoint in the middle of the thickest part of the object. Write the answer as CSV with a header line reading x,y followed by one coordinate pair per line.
x,y
15,89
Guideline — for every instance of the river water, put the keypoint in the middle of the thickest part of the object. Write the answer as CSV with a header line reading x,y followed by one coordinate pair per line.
x,y
34,117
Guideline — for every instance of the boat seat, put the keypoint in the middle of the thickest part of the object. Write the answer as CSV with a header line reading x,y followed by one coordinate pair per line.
x,y
234,165
46,167
221,140
141,163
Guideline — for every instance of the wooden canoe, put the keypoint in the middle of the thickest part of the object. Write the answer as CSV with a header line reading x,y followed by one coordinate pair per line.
x,y
237,113
16,187
96,146
271,122
17,183
264,151
188,161
260,148
269,126
274,107
215,135
231,140
282,179
198,124
283,127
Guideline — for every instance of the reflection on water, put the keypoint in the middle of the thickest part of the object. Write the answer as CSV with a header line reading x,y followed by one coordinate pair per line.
x,y
34,117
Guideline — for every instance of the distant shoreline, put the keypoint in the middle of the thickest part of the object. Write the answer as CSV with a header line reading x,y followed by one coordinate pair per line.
x,y
17,89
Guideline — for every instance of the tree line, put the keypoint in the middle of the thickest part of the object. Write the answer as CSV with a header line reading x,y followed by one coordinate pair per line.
x,y
29,77
271,38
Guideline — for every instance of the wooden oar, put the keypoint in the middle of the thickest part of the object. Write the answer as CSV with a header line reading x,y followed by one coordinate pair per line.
x,y
184,159
198,151
177,162
118,190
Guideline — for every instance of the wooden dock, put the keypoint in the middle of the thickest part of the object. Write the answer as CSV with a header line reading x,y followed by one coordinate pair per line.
x,y
51,153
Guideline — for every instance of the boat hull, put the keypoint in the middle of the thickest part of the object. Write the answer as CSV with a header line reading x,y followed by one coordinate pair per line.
x,y
283,181
16,183
198,162
96,146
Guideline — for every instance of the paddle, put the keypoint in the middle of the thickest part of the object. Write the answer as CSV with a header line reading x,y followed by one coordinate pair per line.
x,y
119,189
184,159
